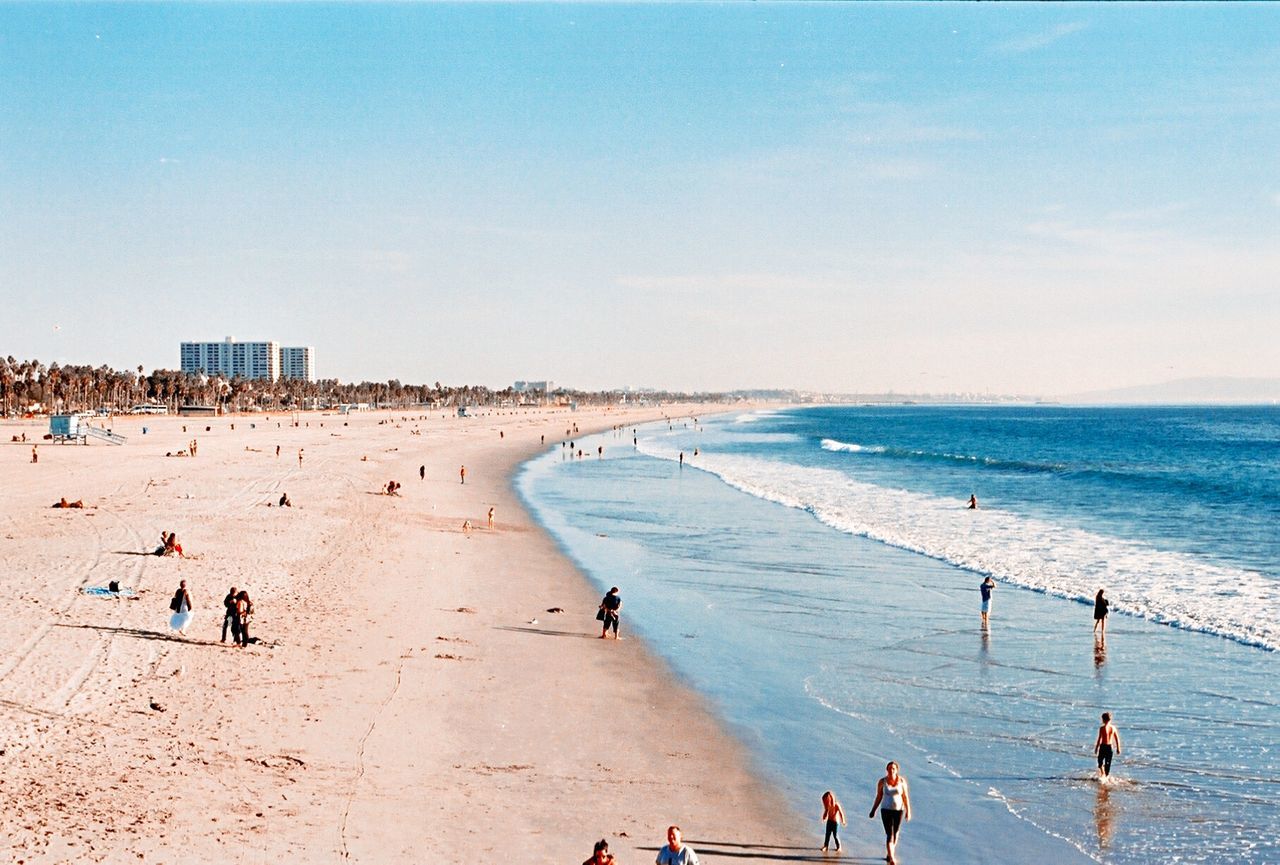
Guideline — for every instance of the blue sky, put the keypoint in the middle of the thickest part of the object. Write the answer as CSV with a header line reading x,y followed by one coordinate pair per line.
x,y
1039,198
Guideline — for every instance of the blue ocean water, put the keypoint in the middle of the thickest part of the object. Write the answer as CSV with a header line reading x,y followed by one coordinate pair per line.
x,y
814,572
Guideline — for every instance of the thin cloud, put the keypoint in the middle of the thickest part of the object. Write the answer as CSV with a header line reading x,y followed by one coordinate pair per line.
x,y
1036,41
1155,213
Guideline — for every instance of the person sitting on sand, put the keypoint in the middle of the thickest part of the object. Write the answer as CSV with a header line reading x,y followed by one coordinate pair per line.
x,y
600,854
676,853
284,501
170,545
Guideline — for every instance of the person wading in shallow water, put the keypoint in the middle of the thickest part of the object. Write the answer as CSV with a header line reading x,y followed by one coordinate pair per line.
x,y
1106,746
1100,605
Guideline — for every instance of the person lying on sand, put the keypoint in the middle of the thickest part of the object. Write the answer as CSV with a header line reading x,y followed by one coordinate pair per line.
x,y
63,503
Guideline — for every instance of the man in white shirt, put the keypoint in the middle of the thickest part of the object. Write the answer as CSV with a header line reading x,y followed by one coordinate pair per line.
x,y
675,853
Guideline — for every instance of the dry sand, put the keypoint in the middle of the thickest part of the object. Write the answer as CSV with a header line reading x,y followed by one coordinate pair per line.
x,y
401,705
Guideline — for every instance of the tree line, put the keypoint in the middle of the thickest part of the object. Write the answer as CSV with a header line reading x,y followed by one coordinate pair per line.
x,y
57,388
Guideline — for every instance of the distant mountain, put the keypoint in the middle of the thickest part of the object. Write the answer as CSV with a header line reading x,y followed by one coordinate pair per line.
x,y
1220,390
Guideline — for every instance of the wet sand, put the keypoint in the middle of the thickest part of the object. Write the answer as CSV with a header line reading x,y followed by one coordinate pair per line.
x,y
409,697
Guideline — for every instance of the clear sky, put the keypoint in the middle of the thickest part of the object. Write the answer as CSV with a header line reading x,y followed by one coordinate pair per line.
x,y
1036,198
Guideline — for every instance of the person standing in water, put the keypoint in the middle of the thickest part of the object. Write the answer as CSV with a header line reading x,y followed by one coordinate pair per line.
x,y
973,502
891,790
986,587
1106,746
831,812
1100,605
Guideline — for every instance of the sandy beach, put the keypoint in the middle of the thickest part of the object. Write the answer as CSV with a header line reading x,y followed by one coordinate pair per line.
x,y
409,696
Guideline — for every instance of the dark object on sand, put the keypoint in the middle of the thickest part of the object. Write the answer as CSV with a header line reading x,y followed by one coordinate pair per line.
x,y
555,609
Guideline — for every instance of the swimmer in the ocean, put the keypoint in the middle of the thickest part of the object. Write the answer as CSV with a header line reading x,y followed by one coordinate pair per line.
x,y
973,502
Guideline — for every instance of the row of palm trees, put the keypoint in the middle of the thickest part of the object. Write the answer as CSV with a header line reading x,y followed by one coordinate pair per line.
x,y
31,386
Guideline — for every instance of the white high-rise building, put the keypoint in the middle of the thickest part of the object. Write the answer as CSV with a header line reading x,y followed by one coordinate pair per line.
x,y
298,362
256,360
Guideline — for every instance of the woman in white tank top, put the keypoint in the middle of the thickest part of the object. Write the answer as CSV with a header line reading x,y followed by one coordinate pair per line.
x,y
894,803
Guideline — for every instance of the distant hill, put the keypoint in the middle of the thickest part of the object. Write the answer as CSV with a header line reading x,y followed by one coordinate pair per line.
x,y
1220,390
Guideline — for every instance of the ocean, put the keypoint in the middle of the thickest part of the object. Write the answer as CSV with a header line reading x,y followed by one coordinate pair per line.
x,y
814,573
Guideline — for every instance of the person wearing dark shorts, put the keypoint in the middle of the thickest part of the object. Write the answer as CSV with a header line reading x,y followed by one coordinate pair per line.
x,y
610,606
1106,746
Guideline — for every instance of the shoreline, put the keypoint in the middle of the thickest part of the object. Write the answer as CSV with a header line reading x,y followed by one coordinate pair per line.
x,y
411,696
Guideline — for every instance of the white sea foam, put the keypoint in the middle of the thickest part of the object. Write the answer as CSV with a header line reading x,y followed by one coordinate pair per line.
x,y
1169,587
833,445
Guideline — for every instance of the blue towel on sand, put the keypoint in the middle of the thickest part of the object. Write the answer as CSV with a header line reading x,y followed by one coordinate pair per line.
x,y
104,592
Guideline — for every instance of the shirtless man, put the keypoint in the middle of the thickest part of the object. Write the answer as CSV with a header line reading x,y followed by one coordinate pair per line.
x,y
1106,746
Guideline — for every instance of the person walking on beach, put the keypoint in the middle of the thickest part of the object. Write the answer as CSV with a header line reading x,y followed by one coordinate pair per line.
x,y
299,457
1106,746
891,790
490,518
35,457
986,587
422,472
462,473
831,812
277,451
676,853
600,854
231,617
1100,605
181,606
610,605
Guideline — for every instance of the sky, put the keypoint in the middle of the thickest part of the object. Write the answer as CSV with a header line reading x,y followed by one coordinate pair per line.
x,y
1031,198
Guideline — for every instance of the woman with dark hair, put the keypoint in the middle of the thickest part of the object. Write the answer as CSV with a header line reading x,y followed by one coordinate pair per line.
x,y
600,854
891,790
1100,605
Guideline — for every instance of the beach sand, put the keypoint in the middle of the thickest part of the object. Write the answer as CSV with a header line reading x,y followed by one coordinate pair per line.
x,y
410,698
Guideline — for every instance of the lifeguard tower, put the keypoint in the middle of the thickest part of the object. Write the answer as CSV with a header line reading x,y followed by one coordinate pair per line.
x,y
72,428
